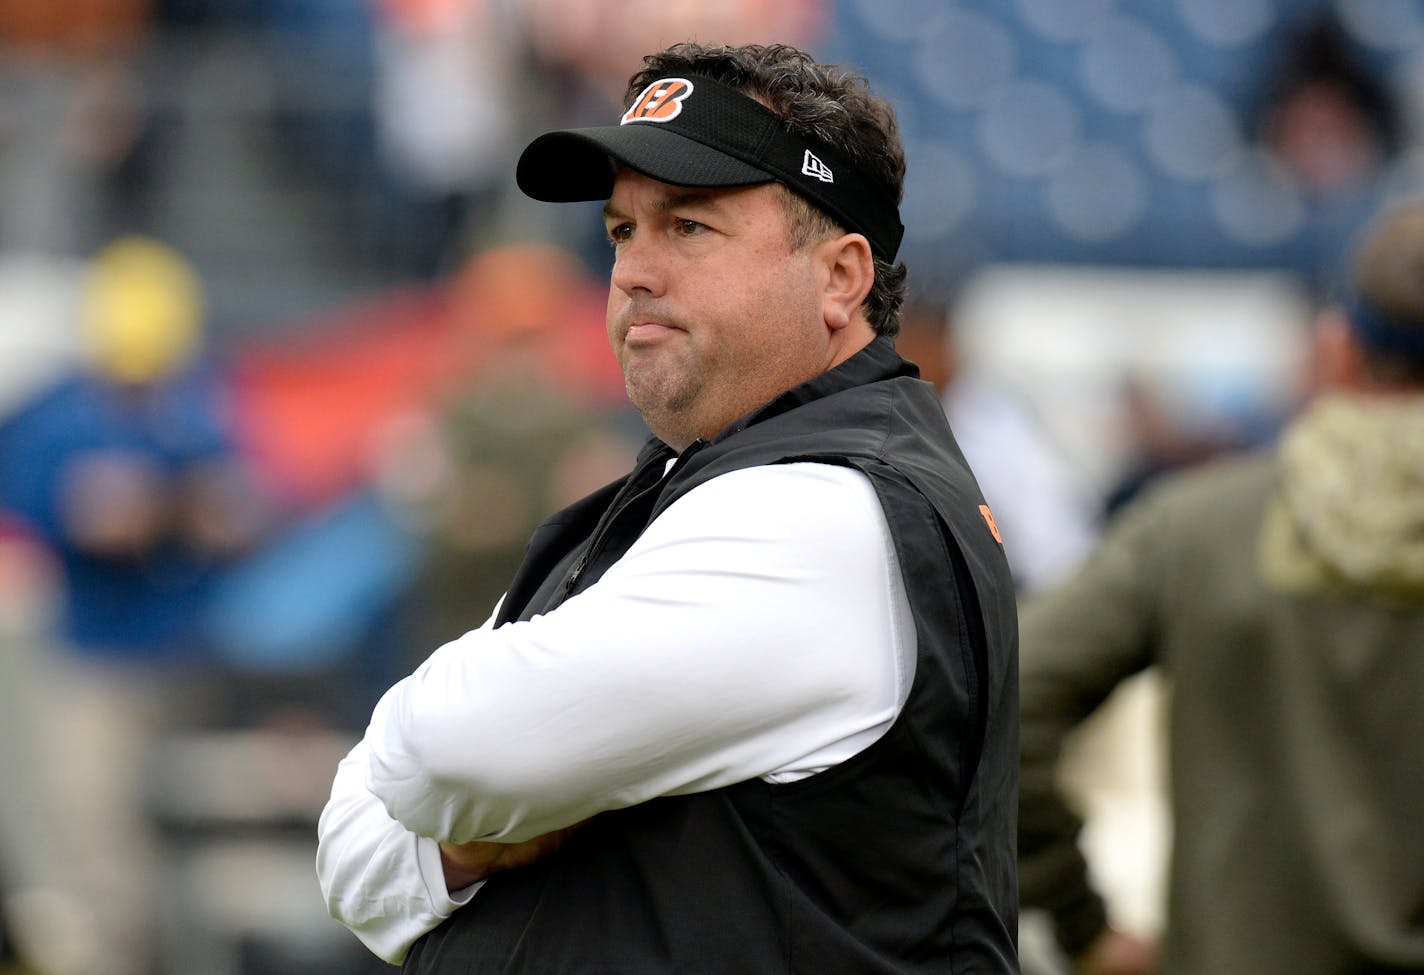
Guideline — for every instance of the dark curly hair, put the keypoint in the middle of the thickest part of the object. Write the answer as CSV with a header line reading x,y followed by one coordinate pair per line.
x,y
826,101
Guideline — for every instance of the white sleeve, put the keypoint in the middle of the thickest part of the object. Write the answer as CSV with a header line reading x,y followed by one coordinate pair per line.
x,y
759,626
378,878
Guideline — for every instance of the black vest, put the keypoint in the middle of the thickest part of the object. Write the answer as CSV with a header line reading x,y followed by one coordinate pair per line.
x,y
900,859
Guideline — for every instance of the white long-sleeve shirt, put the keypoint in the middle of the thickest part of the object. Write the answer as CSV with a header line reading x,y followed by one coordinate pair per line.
x,y
758,628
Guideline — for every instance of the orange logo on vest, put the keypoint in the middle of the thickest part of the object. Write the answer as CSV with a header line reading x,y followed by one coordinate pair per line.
x,y
989,520
659,102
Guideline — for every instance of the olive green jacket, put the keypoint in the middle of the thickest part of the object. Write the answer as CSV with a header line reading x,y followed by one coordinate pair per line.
x,y
1283,595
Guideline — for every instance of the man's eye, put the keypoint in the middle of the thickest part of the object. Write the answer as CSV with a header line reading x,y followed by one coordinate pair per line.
x,y
688,228
620,233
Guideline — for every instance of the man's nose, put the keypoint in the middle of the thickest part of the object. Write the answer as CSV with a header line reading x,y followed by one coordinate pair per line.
x,y
639,265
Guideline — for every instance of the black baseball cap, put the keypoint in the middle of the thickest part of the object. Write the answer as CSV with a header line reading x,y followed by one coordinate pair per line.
x,y
693,131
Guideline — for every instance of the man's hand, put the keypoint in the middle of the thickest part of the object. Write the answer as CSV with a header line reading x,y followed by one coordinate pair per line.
x,y
468,863
1118,953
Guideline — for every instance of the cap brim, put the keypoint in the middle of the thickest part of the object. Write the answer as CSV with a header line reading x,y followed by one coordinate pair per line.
x,y
579,164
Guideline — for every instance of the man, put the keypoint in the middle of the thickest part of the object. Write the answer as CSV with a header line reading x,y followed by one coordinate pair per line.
x,y
1283,593
753,707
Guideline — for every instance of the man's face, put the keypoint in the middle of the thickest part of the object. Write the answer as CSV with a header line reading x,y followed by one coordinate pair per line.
x,y
711,313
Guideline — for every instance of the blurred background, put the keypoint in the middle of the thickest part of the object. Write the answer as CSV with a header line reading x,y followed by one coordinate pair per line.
x,y
288,368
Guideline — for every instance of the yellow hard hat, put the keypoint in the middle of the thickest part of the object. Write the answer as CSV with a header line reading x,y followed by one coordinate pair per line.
x,y
142,311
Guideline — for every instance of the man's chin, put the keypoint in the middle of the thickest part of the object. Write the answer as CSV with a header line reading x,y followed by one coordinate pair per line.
x,y
665,414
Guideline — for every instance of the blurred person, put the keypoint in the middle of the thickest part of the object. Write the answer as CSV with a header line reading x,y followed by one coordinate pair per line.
x,y
445,104
39,925
527,423
124,472
1047,521
1327,118
1283,593
71,117
750,707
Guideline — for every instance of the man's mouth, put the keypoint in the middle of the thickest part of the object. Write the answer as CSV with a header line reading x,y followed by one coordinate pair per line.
x,y
641,332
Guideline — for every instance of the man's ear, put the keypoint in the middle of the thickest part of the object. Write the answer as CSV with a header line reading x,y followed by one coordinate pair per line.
x,y
849,273
1339,363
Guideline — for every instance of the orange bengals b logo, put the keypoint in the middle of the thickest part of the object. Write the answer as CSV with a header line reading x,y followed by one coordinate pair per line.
x,y
989,520
659,102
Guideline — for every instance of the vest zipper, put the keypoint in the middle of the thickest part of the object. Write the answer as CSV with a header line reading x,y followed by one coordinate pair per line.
x,y
579,566
602,530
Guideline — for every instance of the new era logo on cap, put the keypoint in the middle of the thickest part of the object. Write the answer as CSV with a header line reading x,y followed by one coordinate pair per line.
x,y
812,166
659,102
